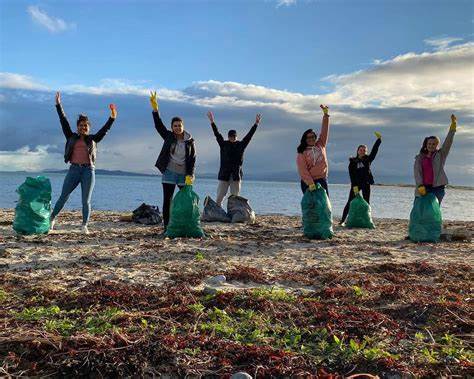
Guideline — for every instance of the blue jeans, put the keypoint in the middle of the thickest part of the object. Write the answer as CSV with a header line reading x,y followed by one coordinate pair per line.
x,y
439,192
77,174
323,182
171,177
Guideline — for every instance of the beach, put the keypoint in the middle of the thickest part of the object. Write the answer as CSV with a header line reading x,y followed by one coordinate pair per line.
x,y
125,301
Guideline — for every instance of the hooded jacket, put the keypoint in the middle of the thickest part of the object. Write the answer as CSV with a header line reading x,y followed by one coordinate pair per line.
x,y
359,168
71,137
170,142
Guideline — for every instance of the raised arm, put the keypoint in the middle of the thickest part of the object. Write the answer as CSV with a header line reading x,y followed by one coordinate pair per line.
x,y
219,138
375,148
62,117
159,126
248,137
97,137
444,150
323,136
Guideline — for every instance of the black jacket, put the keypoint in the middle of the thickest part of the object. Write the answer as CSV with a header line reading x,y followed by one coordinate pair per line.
x,y
71,138
359,168
170,139
232,154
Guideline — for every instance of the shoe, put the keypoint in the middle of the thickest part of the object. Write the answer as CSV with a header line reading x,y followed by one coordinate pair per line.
x,y
84,229
51,224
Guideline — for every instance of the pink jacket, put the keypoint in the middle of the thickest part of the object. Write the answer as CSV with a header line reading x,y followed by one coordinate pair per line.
x,y
313,163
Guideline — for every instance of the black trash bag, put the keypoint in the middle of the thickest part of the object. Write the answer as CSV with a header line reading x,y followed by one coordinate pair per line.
x,y
147,215
213,212
239,210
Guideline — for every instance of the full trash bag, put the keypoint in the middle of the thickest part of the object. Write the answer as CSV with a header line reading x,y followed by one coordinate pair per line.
x,y
185,216
239,210
33,210
317,216
426,219
359,214
147,215
213,212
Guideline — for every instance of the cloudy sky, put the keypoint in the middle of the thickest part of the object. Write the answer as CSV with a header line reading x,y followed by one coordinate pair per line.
x,y
399,67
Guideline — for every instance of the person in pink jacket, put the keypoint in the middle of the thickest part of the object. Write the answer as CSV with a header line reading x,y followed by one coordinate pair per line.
x,y
311,159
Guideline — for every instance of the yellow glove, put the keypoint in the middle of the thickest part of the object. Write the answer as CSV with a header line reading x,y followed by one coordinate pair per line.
x,y
378,135
422,190
188,180
453,125
312,187
355,189
154,101
325,109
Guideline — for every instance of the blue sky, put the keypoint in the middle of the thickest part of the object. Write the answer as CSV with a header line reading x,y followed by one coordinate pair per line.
x,y
374,63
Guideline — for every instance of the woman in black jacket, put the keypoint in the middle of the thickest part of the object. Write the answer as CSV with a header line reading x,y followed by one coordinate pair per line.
x,y
360,174
177,157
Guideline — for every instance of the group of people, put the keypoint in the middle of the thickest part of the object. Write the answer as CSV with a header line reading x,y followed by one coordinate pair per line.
x,y
177,160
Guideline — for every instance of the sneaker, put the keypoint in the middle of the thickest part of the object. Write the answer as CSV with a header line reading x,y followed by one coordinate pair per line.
x,y
51,224
84,229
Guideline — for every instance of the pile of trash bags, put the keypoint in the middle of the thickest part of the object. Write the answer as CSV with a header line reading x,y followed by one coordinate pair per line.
x,y
185,216
359,214
238,211
426,219
317,214
33,211
147,215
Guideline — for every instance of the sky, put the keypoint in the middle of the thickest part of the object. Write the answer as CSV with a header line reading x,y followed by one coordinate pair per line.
x,y
399,67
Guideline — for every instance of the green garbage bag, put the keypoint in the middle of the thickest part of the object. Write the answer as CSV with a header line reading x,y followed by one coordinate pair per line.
x,y
33,210
359,214
185,216
317,217
426,219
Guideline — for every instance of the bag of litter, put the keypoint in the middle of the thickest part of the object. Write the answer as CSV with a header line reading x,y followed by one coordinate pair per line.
x,y
317,215
147,215
359,214
212,212
33,211
426,219
239,210
184,215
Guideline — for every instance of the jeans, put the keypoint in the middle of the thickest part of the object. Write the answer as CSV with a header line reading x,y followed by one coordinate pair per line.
x,y
322,181
439,192
171,177
223,187
365,189
77,174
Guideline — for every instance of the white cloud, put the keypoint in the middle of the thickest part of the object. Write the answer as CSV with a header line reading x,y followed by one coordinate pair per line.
x,y
53,24
18,81
441,43
29,159
285,3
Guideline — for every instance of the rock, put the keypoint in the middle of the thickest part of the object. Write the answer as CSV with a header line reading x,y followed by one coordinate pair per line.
x,y
241,375
209,291
218,279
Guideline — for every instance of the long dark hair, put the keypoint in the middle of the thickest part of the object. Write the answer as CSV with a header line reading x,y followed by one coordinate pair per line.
x,y
424,149
303,144
357,151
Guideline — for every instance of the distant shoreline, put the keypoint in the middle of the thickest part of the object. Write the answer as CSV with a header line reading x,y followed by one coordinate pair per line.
x,y
214,176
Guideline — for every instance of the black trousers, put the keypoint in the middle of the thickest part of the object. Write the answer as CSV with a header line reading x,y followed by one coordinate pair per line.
x,y
168,191
365,194
323,182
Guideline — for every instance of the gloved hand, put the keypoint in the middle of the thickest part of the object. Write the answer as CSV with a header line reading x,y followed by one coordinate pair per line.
x,y
113,111
422,190
325,109
453,125
189,180
154,101
378,135
312,187
355,189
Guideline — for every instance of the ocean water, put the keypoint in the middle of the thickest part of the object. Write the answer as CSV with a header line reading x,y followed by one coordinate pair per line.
x,y
126,193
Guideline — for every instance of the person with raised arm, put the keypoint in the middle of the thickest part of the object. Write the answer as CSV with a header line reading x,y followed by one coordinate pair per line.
x,y
430,176
360,173
177,158
81,152
311,159
231,158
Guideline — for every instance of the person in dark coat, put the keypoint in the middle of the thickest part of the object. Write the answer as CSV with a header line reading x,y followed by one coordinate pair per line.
x,y
360,173
232,158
